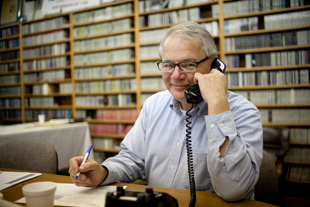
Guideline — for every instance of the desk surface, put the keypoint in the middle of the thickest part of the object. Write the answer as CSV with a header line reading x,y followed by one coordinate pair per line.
x,y
183,196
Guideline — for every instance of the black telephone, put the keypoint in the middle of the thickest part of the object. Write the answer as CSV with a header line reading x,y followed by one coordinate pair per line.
x,y
192,94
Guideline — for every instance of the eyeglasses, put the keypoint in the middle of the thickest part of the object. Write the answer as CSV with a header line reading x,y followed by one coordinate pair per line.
x,y
185,67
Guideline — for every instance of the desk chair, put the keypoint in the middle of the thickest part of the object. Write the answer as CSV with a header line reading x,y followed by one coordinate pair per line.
x,y
276,143
29,155
266,189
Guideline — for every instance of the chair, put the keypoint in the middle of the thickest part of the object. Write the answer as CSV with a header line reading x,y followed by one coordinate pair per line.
x,y
29,155
276,143
266,189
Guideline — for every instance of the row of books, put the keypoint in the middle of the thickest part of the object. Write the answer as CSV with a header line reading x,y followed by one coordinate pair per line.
x,y
48,63
152,84
102,28
106,86
44,25
297,3
298,154
40,102
268,78
9,67
280,39
6,44
300,135
105,100
281,58
11,102
103,57
293,19
56,49
173,17
150,5
103,13
45,76
9,31
45,89
11,114
104,71
296,173
45,38
103,42
147,52
117,114
149,68
248,6
9,79
49,114
154,36
279,96
240,25
288,115
106,143
109,129
9,55
10,91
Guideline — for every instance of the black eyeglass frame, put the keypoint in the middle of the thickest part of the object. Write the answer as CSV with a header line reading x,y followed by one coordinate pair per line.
x,y
178,64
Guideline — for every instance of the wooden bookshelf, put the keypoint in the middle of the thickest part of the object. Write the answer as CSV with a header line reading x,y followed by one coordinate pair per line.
x,y
99,24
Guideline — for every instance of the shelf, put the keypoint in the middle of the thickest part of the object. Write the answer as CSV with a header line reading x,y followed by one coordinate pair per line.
x,y
106,150
268,68
50,82
261,13
270,49
45,31
106,63
235,88
46,44
105,49
98,121
113,136
105,107
287,124
282,105
49,107
265,31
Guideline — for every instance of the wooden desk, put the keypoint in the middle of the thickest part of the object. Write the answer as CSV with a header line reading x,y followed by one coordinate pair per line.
x,y
183,196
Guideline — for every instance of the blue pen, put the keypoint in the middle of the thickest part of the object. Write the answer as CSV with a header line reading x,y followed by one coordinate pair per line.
x,y
84,160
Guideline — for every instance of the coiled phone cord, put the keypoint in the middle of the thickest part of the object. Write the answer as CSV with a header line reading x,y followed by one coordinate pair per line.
x,y
190,164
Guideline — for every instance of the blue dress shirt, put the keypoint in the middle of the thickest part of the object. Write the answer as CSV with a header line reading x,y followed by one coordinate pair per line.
x,y
155,148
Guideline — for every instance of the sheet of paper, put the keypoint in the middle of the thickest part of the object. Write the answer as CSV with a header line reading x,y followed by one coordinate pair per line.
x,y
71,195
8,179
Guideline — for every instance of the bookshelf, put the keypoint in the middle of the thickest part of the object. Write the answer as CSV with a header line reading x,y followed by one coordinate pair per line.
x,y
99,63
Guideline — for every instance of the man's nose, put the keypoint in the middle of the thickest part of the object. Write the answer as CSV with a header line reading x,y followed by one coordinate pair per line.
x,y
177,73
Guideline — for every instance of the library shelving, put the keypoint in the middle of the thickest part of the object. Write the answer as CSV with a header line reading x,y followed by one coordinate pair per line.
x,y
99,64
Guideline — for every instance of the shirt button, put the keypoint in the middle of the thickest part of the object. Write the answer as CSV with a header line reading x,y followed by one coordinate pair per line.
x,y
212,126
222,125
185,121
172,167
178,144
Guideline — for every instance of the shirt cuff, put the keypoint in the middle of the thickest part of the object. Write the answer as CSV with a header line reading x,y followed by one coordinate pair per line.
x,y
220,124
112,178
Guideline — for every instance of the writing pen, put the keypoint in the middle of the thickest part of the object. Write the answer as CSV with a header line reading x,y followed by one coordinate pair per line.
x,y
84,160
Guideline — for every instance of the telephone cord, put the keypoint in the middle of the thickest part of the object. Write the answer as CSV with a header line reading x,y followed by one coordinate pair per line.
x,y
190,164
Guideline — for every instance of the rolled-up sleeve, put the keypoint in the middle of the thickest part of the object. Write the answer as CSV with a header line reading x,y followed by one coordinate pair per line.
x,y
235,175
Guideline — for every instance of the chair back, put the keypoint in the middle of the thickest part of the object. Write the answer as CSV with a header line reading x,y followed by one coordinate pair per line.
x,y
29,155
266,189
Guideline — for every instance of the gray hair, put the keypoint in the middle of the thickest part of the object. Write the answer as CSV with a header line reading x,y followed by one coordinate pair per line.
x,y
191,31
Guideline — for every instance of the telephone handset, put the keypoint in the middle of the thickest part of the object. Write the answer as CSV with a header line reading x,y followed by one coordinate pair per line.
x,y
192,94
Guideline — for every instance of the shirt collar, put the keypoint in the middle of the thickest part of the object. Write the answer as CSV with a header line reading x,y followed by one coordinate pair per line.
x,y
200,109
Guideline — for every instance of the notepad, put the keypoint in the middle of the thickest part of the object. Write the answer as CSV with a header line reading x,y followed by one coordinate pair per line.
x,y
8,179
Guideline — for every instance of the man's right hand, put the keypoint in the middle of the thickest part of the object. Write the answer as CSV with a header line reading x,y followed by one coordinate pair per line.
x,y
91,173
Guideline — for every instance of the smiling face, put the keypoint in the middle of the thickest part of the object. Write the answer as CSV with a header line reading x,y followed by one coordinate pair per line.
x,y
175,50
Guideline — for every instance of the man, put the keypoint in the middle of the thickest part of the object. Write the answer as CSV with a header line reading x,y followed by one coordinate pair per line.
x,y
226,129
